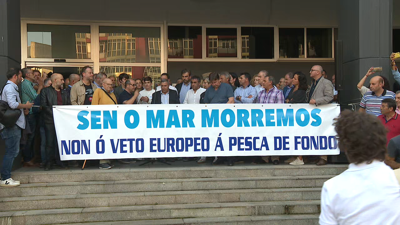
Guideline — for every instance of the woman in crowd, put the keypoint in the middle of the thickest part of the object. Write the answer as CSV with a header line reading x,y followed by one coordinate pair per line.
x,y
255,80
206,83
298,95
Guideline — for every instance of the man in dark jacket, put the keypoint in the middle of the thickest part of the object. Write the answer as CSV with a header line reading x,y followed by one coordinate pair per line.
x,y
166,95
185,86
52,95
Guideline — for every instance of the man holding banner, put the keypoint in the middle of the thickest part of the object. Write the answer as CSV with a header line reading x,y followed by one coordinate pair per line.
x,y
50,96
166,95
321,93
219,93
104,96
270,95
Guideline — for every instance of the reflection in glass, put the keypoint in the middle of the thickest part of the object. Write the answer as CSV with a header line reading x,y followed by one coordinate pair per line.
x,y
65,71
59,41
137,72
184,42
257,42
319,43
221,42
291,43
130,44
396,40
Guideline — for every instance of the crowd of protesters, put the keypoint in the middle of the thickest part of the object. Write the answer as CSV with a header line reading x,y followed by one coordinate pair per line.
x,y
35,96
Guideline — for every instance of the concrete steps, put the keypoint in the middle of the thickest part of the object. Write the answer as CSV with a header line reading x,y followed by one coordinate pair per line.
x,y
129,186
151,212
158,198
232,220
203,171
202,194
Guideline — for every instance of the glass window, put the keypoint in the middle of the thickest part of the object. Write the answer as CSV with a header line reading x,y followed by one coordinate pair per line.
x,y
257,42
319,43
130,44
221,42
291,43
396,40
184,42
137,72
58,41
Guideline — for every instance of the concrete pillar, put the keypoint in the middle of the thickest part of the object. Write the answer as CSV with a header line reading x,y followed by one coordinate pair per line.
x,y
10,47
365,27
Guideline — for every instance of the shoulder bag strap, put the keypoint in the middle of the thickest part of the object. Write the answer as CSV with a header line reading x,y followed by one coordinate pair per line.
x,y
109,96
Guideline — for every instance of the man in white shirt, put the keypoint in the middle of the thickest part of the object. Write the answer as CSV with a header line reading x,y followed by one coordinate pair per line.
x,y
368,192
193,95
145,95
165,76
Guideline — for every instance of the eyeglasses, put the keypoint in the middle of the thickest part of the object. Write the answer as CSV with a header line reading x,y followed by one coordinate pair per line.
x,y
312,71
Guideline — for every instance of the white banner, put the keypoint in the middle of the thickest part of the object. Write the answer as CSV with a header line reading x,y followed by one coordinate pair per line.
x,y
159,131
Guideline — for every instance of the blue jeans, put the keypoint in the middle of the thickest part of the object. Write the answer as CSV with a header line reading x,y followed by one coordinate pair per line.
x,y
11,137
43,144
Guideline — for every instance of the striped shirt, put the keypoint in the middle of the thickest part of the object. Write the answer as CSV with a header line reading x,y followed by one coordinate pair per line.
x,y
372,103
274,95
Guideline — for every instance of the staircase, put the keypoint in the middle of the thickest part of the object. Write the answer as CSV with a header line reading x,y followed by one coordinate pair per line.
x,y
243,194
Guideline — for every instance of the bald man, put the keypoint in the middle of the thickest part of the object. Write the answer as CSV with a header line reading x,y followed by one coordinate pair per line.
x,y
321,93
50,96
73,79
372,100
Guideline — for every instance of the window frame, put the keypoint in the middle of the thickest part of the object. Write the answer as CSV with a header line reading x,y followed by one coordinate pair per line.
x,y
94,46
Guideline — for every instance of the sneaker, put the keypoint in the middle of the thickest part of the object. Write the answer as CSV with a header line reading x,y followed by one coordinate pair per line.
x,y
104,166
297,162
289,160
9,183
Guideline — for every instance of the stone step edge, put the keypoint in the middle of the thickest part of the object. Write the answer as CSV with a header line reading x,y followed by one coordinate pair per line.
x,y
206,220
174,169
155,207
155,193
173,180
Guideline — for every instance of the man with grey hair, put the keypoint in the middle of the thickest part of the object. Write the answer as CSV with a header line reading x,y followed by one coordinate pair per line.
x,y
321,93
165,95
262,74
225,77
98,79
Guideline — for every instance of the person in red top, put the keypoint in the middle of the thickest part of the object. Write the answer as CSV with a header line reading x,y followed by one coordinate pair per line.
x,y
390,118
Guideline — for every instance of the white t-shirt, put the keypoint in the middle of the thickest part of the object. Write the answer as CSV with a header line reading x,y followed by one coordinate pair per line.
x,y
193,98
144,93
363,194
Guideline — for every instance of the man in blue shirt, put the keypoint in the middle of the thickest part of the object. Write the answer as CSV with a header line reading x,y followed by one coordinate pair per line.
x,y
245,93
12,135
218,92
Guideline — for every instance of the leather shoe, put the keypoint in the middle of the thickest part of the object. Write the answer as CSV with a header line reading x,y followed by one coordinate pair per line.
x,y
321,162
30,164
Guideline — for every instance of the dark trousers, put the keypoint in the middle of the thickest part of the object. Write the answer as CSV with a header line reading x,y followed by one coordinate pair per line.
x,y
28,151
51,153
